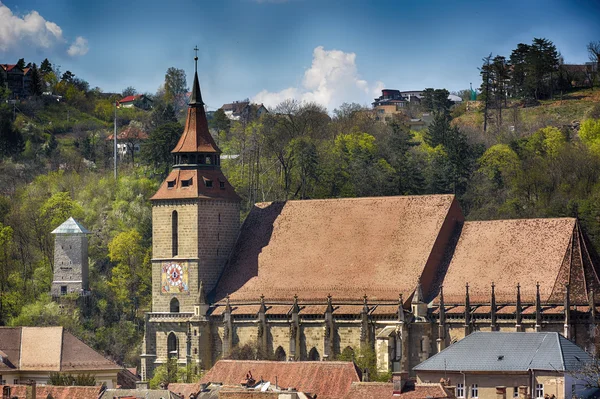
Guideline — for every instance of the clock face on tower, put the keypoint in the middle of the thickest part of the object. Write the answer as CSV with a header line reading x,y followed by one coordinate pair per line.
x,y
174,278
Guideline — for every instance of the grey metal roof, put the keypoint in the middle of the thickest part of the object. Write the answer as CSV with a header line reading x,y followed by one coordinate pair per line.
x,y
508,351
70,226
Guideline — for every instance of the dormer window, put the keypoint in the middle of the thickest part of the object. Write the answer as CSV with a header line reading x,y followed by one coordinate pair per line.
x,y
170,183
222,185
208,183
186,183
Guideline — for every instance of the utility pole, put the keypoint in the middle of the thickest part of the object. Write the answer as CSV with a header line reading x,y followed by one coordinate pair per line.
x,y
115,142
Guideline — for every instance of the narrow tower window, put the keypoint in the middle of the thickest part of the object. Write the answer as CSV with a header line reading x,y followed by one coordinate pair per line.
x,y
172,345
174,233
174,305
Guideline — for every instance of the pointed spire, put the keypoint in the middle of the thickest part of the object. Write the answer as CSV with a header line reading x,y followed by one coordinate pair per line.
x,y
592,300
418,298
295,307
493,307
442,306
538,308
365,309
567,326
227,305
467,305
201,298
329,304
518,310
263,307
400,308
196,97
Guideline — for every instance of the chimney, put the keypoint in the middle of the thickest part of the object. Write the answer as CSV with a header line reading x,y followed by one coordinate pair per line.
x,y
365,375
399,378
523,392
500,392
142,385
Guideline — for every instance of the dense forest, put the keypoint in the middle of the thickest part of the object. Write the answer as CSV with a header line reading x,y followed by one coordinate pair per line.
x,y
528,147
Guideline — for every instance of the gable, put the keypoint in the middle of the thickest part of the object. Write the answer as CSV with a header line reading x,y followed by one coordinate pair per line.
x,y
41,348
379,247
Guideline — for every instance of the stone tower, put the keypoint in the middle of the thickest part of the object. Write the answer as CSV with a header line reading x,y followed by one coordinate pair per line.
x,y
70,259
195,223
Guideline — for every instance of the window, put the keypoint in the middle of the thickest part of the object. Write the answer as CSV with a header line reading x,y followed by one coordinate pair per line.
x,y
515,392
15,381
174,234
474,391
172,345
195,351
171,184
460,390
63,290
222,185
186,183
539,391
208,183
174,305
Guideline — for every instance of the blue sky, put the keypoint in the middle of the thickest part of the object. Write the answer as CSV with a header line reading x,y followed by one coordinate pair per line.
x,y
321,50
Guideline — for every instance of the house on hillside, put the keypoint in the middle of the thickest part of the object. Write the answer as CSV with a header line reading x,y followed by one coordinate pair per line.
x,y
32,391
129,141
243,111
17,80
33,353
489,365
140,101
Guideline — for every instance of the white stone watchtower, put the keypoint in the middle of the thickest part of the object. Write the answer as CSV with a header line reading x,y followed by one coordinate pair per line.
x,y
70,259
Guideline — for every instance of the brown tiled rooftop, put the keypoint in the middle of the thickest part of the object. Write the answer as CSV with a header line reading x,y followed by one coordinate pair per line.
x,y
196,136
191,183
326,379
524,251
348,248
378,390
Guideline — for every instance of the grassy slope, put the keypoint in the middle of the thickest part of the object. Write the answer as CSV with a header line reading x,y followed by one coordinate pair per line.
x,y
571,108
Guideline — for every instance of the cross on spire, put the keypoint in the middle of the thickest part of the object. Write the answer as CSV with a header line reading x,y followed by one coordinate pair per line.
x,y
196,59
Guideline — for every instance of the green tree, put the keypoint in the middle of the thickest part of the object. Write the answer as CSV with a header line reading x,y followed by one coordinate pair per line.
x,y
21,63
37,86
221,122
436,100
589,132
129,91
67,77
11,140
130,280
306,163
46,67
175,88
156,150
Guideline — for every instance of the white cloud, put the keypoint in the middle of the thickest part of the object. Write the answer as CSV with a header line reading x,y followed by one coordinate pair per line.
x,y
331,80
79,47
31,29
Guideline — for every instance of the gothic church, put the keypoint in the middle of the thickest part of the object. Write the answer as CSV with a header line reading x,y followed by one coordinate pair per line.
x,y
308,280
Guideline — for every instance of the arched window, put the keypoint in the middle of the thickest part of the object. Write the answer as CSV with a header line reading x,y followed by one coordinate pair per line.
x,y
174,306
280,354
314,355
174,233
172,345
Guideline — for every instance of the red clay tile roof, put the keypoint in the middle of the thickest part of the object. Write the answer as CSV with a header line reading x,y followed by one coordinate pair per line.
x,y
344,247
76,355
62,351
196,136
42,392
172,187
130,133
129,99
525,251
184,390
10,344
326,379
377,390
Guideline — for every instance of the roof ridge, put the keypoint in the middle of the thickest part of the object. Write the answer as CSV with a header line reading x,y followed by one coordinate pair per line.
x,y
356,198
562,354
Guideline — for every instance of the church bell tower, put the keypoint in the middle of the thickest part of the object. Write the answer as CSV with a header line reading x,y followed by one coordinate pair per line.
x,y
195,223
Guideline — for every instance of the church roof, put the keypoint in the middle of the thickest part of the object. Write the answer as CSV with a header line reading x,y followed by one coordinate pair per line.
x,y
326,379
194,183
196,136
348,248
49,349
70,226
523,251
